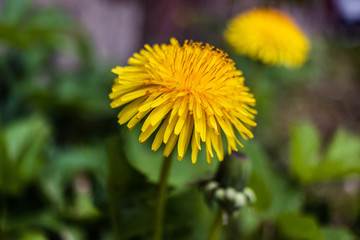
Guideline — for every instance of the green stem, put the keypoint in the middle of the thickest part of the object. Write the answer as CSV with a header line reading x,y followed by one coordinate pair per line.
x,y
113,212
232,230
256,77
216,226
3,216
161,198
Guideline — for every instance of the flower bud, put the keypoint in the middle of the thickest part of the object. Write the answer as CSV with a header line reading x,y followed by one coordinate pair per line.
x,y
234,171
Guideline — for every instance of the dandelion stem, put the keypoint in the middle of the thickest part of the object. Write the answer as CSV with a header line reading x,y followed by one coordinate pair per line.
x,y
256,76
3,215
232,230
216,226
161,198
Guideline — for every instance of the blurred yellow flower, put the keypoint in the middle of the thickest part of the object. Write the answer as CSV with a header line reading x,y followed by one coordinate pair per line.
x,y
268,35
192,92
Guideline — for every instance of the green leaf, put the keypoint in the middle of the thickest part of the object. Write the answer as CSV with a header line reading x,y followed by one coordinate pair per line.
x,y
44,28
13,10
9,179
304,151
22,147
299,227
50,19
248,220
45,219
142,158
129,195
33,236
187,216
25,150
337,233
280,194
263,194
83,208
341,158
69,161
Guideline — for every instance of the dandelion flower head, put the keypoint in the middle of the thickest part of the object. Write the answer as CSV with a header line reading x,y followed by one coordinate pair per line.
x,y
268,35
186,94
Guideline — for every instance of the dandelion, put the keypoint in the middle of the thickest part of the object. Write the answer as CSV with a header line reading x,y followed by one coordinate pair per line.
x,y
187,94
268,35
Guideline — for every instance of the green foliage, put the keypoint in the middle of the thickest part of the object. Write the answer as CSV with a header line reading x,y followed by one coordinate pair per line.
x,y
336,233
307,163
66,163
131,195
33,236
299,227
20,28
22,155
304,151
342,156
13,11
275,194
128,195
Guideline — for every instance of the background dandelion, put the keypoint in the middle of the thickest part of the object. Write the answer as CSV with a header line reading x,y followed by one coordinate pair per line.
x,y
268,35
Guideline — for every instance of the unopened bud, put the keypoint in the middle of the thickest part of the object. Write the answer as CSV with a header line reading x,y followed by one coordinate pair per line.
x,y
234,171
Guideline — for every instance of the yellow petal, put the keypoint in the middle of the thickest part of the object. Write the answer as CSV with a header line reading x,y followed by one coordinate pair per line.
x,y
129,111
180,123
156,115
146,134
133,95
161,113
184,106
209,148
170,128
184,137
217,144
136,119
176,107
194,148
170,145
160,135
213,124
117,70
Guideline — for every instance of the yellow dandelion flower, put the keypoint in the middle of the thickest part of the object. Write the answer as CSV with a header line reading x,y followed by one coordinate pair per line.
x,y
268,35
190,93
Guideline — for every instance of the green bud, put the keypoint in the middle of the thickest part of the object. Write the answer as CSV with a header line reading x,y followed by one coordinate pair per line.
x,y
234,171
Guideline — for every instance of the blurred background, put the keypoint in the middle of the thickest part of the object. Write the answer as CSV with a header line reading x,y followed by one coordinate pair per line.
x,y
68,171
